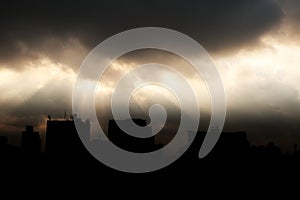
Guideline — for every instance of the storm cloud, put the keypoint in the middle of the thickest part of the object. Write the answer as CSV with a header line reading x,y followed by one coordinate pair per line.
x,y
31,29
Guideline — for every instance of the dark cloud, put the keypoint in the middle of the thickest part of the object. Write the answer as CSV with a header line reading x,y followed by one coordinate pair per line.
x,y
216,24
291,9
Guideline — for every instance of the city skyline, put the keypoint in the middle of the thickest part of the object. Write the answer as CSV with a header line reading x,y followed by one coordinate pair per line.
x,y
254,45
63,145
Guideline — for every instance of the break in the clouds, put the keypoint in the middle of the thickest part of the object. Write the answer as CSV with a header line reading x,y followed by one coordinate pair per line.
x,y
254,43
262,89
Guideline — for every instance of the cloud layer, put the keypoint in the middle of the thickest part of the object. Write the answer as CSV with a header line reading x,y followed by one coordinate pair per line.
x,y
33,28
253,42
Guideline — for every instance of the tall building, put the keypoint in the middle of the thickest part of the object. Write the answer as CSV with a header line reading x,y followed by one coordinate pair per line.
x,y
31,141
229,145
128,142
62,138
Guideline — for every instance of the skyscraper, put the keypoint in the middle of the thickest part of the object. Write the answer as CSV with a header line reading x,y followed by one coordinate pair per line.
x,y
30,142
128,142
62,138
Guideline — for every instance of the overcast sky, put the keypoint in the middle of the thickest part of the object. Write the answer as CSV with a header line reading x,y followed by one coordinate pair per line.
x,y
255,45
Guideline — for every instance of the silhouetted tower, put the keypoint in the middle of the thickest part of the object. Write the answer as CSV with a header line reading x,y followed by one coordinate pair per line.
x,y
128,142
3,145
3,141
229,145
62,138
31,142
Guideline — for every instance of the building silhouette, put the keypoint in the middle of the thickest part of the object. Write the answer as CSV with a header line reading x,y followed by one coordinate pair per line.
x,y
65,151
30,141
3,141
128,142
230,145
62,139
8,153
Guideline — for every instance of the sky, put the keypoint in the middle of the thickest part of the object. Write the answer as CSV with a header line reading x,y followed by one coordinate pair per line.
x,y
254,44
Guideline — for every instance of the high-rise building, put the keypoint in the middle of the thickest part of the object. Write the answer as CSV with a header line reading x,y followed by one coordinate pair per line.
x,y
128,142
31,141
229,145
62,138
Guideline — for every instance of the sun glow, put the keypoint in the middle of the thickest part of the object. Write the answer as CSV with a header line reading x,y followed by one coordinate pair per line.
x,y
265,75
18,86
